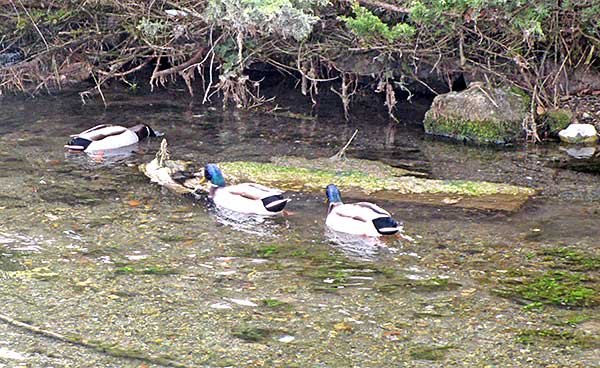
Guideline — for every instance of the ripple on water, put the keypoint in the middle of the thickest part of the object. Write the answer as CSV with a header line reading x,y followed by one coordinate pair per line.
x,y
22,243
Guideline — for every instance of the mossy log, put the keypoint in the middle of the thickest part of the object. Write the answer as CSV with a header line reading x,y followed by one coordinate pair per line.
x,y
362,179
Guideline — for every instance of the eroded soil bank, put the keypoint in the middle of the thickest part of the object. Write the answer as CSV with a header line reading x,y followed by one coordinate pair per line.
x,y
91,250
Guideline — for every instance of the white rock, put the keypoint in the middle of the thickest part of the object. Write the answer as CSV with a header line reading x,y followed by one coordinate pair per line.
x,y
287,338
579,133
243,302
10,355
176,13
221,306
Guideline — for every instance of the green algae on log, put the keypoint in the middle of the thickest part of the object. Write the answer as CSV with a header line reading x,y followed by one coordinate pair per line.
x,y
355,178
375,180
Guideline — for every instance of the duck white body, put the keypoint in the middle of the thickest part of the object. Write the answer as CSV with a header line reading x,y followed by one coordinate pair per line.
x,y
248,198
362,218
108,137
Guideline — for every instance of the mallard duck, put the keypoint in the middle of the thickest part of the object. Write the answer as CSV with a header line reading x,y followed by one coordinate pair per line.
x,y
362,218
107,137
249,198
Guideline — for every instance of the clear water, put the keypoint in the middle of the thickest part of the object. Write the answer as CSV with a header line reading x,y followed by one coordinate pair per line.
x,y
90,248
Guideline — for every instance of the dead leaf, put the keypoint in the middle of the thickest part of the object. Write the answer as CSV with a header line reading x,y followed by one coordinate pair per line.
x,y
392,335
540,109
134,203
342,326
450,200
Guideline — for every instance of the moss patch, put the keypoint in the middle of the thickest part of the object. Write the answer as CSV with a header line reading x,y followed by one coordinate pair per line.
x,y
556,120
310,175
551,287
557,337
252,334
427,352
481,132
152,269
573,260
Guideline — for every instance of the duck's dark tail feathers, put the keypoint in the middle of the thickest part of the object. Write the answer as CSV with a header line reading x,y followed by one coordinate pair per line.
x,y
78,144
386,225
275,203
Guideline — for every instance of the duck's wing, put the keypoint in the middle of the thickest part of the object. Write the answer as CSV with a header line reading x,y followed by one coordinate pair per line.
x,y
362,211
265,189
253,191
90,130
373,208
103,132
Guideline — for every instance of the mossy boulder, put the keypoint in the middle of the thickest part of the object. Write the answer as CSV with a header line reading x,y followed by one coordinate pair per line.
x,y
556,120
478,114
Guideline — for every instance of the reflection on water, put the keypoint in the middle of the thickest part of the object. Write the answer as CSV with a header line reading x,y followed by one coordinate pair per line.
x,y
264,226
22,243
365,248
111,157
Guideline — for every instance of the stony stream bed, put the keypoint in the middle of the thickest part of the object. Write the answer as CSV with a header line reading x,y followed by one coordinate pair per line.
x,y
101,268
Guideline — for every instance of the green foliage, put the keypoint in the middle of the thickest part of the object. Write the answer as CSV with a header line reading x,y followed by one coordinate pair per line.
x,y
369,27
150,29
287,18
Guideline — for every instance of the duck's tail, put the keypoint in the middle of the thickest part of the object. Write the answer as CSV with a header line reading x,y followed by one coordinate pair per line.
x,y
386,225
275,203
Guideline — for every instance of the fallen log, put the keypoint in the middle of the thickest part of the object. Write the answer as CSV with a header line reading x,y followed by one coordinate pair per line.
x,y
358,179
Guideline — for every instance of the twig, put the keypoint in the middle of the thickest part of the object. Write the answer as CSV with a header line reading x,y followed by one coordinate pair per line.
x,y
35,25
341,153
164,73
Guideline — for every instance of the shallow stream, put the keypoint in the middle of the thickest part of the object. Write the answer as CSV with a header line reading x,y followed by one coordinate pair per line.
x,y
92,251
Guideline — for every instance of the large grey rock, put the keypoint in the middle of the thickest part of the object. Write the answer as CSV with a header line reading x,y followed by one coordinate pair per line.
x,y
478,114
579,133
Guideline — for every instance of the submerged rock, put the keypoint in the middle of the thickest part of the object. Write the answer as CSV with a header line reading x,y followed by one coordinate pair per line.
x,y
10,58
579,133
478,114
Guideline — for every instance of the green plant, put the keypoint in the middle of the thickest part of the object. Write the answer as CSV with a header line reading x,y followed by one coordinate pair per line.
x,y
370,27
287,18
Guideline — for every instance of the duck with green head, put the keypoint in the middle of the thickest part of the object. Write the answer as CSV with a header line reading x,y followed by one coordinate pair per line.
x,y
249,198
362,218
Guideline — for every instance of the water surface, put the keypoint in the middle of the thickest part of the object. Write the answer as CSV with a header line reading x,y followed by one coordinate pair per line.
x,y
90,248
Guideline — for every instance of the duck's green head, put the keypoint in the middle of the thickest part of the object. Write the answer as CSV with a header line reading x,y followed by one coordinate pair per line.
x,y
333,194
213,174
